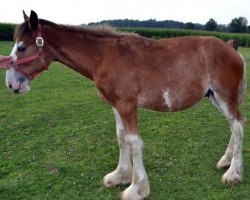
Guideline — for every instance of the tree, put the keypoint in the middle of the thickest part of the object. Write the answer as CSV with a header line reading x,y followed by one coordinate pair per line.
x,y
222,28
248,29
238,25
211,25
189,25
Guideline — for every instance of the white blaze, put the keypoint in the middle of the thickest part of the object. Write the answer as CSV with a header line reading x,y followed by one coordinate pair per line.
x,y
13,52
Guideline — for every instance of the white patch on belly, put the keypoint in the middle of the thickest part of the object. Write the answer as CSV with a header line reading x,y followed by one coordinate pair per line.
x,y
168,102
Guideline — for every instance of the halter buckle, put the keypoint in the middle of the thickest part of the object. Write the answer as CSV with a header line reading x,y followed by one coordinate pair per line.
x,y
39,42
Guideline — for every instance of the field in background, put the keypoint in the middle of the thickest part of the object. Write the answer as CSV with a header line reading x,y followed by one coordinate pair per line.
x,y
243,40
58,141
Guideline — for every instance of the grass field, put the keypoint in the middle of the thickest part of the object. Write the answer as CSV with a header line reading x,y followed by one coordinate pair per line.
x,y
58,141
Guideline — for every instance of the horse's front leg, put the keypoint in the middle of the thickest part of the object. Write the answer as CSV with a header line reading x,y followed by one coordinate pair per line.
x,y
123,172
139,188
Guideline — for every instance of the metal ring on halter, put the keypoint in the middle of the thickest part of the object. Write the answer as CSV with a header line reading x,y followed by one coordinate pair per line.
x,y
40,54
39,42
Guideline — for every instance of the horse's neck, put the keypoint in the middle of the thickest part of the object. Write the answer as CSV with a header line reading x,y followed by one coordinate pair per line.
x,y
80,51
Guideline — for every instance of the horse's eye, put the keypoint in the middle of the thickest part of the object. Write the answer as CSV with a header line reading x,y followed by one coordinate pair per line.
x,y
21,48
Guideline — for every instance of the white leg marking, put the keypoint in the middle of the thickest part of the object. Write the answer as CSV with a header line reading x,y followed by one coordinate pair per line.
x,y
225,160
224,108
234,173
123,172
167,99
139,189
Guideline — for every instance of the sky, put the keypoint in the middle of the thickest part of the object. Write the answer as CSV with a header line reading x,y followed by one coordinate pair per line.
x,y
77,12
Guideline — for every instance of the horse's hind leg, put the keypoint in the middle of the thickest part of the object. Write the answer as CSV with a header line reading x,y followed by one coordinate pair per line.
x,y
123,173
234,173
225,160
233,154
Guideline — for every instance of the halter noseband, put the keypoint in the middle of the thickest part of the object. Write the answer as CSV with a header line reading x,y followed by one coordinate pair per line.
x,y
38,55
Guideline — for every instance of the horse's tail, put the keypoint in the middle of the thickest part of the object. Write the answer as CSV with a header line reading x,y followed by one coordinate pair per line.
x,y
233,43
243,84
242,87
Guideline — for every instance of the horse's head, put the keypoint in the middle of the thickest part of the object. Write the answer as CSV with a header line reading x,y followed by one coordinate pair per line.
x,y
30,55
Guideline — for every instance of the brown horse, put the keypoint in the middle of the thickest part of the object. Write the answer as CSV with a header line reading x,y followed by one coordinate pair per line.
x,y
132,72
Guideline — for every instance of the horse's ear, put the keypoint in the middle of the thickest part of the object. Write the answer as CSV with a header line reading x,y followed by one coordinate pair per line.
x,y
25,17
33,20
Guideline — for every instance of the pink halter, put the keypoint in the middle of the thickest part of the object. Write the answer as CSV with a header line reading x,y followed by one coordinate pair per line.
x,y
6,61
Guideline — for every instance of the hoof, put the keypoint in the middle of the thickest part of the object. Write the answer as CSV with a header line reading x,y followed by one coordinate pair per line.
x,y
224,163
136,192
131,193
231,177
116,178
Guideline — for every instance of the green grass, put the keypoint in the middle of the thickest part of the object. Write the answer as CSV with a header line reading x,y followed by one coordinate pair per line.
x,y
58,141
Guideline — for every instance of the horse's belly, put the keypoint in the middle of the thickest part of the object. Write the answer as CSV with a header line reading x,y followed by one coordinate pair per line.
x,y
171,100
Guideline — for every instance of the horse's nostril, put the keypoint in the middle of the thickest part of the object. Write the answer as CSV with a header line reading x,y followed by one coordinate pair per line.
x,y
9,85
16,91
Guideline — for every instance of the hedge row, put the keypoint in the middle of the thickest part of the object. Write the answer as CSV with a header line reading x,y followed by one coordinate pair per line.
x,y
6,31
242,39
